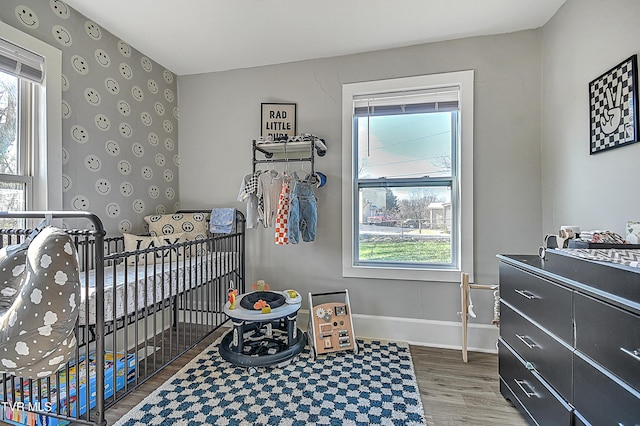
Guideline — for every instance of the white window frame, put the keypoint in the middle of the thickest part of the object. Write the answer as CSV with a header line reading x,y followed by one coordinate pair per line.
x,y
46,151
463,80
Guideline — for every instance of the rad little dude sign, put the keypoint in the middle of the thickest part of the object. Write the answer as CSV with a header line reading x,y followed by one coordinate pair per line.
x,y
278,120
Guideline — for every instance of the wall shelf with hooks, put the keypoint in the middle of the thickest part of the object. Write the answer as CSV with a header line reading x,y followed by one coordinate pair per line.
x,y
288,152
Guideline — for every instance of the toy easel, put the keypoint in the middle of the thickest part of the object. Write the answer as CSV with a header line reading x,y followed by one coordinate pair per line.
x,y
467,306
331,325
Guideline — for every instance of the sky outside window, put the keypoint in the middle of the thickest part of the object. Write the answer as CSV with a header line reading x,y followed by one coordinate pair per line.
x,y
404,146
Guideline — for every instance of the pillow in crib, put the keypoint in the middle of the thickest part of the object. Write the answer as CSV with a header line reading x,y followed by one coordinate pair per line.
x,y
192,225
134,243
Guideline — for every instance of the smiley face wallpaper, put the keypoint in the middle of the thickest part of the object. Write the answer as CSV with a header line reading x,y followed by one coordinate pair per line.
x,y
119,117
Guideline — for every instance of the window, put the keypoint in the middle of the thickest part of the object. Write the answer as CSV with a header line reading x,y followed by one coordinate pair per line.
x,y
30,123
16,181
407,177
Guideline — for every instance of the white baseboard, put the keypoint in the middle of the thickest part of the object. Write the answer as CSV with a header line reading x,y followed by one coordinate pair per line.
x,y
420,332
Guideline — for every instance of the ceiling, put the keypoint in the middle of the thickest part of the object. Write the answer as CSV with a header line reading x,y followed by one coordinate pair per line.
x,y
198,36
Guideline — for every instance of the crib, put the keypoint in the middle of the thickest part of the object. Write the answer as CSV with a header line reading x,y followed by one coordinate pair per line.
x,y
135,318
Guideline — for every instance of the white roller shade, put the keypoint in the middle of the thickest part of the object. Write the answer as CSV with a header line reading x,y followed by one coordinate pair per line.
x,y
22,63
407,102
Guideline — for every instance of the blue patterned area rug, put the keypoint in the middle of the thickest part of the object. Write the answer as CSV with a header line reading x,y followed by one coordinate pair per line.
x,y
375,387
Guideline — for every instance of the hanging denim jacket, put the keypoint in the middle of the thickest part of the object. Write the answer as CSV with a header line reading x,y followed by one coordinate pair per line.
x,y
303,212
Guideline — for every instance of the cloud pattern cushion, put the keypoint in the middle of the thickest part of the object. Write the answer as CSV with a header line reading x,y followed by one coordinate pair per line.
x,y
13,264
37,332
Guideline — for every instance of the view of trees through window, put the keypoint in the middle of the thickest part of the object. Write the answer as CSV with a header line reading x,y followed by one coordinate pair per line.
x,y
405,181
12,191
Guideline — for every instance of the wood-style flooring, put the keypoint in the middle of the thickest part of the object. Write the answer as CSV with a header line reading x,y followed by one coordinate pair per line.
x,y
453,393
458,393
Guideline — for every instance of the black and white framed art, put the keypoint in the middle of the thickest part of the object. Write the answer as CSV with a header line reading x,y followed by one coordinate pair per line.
x,y
613,107
278,120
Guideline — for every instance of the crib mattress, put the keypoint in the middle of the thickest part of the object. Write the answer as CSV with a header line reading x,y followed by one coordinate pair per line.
x,y
151,284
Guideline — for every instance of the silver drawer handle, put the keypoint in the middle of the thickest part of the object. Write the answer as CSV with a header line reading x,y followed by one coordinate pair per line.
x,y
521,384
635,354
528,341
526,294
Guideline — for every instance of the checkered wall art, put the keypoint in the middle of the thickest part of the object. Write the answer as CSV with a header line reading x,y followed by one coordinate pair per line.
x,y
613,99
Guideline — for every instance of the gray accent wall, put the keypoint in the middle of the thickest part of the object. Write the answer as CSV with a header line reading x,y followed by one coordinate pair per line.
x,y
220,115
583,40
120,117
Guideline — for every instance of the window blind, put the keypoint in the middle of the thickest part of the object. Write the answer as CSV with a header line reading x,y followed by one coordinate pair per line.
x,y
20,62
407,102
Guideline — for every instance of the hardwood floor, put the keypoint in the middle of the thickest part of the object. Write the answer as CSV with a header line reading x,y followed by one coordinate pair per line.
x,y
453,393
458,393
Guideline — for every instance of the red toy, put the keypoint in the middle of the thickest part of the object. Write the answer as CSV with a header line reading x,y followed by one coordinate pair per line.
x,y
233,293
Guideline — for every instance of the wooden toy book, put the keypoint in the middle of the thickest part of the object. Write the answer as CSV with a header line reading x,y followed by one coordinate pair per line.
x,y
330,324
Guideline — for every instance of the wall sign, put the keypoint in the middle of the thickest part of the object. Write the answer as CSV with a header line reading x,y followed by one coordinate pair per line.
x,y
613,106
278,120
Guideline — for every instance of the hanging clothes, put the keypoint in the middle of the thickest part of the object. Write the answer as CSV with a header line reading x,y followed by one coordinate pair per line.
x,y
303,212
282,214
269,187
248,193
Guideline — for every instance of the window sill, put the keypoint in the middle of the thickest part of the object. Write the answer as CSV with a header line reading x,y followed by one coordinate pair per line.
x,y
406,274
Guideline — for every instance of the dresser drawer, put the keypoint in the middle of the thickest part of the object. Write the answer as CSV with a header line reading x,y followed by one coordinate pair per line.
x,y
544,302
541,403
508,394
600,400
549,357
610,336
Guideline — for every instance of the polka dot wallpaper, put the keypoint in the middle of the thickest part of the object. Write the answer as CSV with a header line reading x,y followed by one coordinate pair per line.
x,y
120,118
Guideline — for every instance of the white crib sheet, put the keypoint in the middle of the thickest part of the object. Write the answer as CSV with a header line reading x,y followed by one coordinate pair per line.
x,y
171,278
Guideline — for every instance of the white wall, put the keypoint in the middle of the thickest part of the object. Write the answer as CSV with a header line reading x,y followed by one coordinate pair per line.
x,y
220,115
582,41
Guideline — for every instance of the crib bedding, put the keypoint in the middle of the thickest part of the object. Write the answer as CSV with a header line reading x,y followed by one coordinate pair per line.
x,y
152,283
